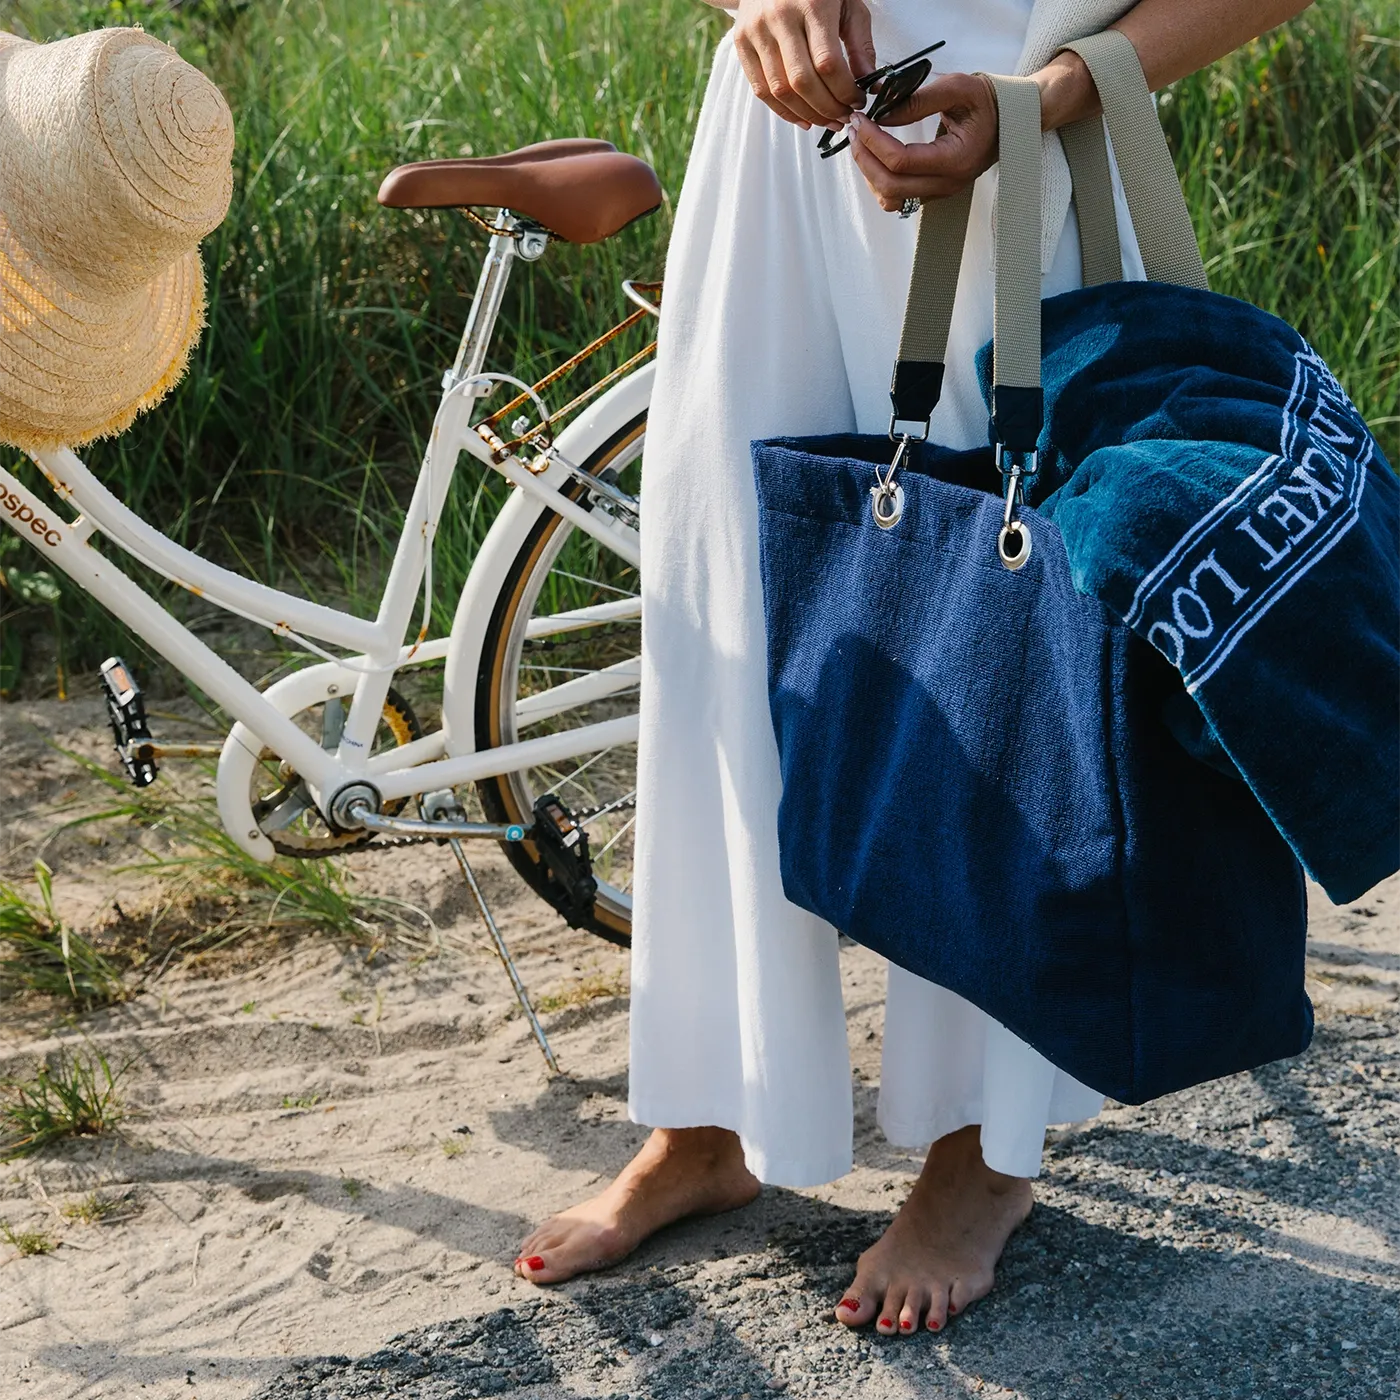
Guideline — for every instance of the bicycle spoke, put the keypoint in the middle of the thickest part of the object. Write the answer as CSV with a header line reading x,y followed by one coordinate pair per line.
x,y
611,807
594,583
627,826
582,768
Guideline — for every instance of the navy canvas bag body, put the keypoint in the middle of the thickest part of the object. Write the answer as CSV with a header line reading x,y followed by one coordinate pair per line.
x,y
987,775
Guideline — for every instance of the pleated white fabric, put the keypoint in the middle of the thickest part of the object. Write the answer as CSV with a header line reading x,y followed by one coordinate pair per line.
x,y
785,287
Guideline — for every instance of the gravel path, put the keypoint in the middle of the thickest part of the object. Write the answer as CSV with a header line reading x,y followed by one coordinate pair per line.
x,y
1241,1239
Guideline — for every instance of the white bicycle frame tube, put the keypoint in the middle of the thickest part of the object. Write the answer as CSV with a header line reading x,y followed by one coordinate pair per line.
x,y
379,644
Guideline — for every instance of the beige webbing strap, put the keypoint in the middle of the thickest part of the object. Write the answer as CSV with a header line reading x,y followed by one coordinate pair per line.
x,y
1164,233
933,284
1016,319
1086,150
938,255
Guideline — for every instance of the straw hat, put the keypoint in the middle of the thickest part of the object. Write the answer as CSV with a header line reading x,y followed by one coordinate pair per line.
x,y
114,163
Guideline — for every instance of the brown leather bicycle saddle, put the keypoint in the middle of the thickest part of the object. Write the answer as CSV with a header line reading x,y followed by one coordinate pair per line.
x,y
580,190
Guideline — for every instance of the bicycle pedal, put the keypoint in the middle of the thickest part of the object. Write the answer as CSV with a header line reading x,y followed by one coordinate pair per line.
x,y
564,845
126,712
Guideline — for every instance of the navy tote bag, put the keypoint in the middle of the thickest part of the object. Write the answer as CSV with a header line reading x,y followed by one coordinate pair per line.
x,y
989,776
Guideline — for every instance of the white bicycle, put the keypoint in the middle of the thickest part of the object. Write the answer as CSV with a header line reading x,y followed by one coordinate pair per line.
x,y
542,664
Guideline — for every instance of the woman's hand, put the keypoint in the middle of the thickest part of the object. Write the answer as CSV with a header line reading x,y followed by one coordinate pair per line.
x,y
802,57
965,146
1172,38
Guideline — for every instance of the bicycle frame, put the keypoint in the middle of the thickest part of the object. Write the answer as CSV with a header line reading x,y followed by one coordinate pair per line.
x,y
378,647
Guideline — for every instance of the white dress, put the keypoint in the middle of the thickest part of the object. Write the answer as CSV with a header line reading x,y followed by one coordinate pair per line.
x,y
785,287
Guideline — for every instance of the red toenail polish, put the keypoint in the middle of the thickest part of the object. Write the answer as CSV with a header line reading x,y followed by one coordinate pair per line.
x,y
905,1326
934,1326
886,1322
534,1263
952,1310
849,1304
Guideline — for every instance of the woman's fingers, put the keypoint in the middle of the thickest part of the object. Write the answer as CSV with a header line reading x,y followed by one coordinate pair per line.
x,y
896,172
800,40
859,43
759,58
965,146
957,96
842,49
801,57
945,157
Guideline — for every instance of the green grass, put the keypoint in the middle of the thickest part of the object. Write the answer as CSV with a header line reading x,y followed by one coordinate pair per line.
x,y
28,1243
72,1095
99,1208
213,896
40,953
202,862
1290,158
289,446
579,993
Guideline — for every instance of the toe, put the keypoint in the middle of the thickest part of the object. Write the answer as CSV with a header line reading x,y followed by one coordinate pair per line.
x,y
536,1268
937,1318
966,1289
915,1301
540,1238
857,1306
888,1322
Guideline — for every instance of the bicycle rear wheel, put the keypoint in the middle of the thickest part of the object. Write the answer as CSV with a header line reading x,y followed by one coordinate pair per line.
x,y
532,650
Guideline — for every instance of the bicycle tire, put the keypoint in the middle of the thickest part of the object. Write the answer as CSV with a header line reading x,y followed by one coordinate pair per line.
x,y
501,797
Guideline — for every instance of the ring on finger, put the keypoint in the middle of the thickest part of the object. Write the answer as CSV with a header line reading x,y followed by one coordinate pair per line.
x,y
911,206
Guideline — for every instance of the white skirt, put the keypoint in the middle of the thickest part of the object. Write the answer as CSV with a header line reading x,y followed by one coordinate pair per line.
x,y
785,288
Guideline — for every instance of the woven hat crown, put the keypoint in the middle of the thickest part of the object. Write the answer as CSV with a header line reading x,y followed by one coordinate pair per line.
x,y
115,160
114,155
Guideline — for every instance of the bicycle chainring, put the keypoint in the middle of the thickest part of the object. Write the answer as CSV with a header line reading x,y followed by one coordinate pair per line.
x,y
290,820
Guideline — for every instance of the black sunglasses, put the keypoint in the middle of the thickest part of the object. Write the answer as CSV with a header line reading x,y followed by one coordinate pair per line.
x,y
897,82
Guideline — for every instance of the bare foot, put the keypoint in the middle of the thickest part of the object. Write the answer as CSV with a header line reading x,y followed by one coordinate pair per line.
x,y
941,1250
679,1172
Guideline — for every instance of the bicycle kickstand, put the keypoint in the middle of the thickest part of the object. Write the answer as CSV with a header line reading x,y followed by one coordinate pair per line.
x,y
443,806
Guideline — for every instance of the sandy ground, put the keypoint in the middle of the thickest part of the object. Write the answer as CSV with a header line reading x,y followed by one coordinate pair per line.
x,y
328,1164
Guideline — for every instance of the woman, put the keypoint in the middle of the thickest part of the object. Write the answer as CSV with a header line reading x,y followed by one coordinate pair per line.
x,y
785,286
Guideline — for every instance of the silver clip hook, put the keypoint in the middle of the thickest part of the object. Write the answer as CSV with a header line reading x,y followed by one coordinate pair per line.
x,y
1013,539
887,495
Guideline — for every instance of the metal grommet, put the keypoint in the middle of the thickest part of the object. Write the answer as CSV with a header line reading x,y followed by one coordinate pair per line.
x,y
887,504
1013,545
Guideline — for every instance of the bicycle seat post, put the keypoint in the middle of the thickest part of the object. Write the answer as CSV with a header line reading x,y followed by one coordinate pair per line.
x,y
509,241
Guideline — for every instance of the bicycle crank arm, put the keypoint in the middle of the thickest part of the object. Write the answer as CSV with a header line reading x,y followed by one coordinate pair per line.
x,y
360,814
